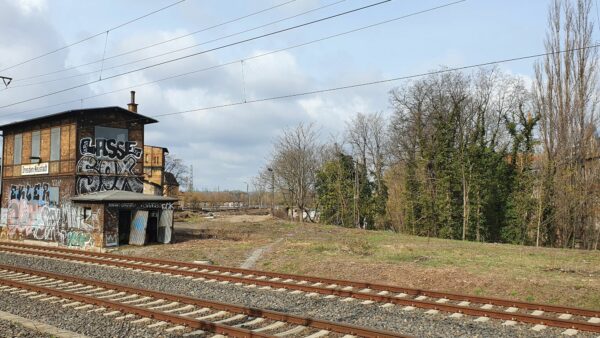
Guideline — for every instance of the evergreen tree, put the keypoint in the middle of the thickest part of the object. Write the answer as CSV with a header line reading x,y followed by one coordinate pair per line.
x,y
335,191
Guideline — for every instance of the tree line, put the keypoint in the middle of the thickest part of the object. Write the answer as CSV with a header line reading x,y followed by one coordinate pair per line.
x,y
479,156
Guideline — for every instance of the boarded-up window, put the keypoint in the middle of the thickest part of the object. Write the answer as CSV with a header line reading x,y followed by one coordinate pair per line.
x,y
35,144
107,133
55,144
18,149
53,196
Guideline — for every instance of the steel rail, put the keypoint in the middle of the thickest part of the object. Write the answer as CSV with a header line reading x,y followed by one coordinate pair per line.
x,y
126,308
340,282
250,311
586,326
525,318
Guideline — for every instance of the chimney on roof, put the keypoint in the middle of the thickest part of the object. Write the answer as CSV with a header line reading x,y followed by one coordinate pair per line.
x,y
132,106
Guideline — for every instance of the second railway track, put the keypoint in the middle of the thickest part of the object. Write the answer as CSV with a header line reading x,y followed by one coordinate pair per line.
x,y
457,304
169,311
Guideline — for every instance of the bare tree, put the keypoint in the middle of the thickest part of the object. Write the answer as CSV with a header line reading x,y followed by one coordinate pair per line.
x,y
295,162
366,134
565,91
178,169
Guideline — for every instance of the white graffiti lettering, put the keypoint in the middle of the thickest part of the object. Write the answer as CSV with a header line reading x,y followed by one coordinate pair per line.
x,y
108,165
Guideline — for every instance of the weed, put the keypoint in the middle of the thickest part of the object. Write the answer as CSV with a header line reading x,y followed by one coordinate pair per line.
x,y
322,248
358,246
409,257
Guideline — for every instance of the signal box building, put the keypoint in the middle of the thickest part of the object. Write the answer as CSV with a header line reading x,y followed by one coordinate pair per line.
x,y
76,179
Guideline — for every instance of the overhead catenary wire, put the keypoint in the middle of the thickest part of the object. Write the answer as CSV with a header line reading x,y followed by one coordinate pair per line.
x,y
92,36
364,84
370,83
167,41
199,53
169,52
405,16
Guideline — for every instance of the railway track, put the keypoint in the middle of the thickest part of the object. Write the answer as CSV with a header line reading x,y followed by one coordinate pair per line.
x,y
170,312
483,308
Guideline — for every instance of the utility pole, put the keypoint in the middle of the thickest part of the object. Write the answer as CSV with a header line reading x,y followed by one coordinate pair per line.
x,y
248,193
272,191
355,192
190,186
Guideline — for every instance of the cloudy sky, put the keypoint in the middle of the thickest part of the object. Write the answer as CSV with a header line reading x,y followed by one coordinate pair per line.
x,y
227,146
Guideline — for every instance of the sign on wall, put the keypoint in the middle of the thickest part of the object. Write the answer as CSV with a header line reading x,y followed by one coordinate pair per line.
x,y
34,169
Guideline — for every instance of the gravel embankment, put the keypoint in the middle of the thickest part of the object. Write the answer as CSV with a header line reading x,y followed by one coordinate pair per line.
x,y
10,329
415,323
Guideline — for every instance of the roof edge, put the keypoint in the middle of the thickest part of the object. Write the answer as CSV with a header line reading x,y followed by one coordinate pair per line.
x,y
148,120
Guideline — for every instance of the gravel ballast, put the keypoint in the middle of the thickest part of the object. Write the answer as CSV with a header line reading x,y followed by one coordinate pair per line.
x,y
91,324
415,323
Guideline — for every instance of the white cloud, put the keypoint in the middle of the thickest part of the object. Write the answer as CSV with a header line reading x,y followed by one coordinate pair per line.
x,y
31,6
225,145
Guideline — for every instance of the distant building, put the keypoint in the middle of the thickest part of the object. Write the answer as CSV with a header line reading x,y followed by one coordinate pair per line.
x,y
157,181
154,169
171,186
75,178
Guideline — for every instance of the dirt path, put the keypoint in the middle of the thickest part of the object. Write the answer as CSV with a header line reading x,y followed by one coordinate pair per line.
x,y
256,254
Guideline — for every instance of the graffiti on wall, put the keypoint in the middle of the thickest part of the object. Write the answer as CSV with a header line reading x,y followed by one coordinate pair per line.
x,y
34,213
111,238
144,205
111,227
106,165
40,193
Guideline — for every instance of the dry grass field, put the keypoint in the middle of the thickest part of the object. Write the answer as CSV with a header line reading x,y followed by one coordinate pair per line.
x,y
555,276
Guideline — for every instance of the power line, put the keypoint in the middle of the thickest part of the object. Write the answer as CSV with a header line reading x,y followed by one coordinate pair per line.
x,y
247,58
198,53
166,53
92,36
162,42
364,84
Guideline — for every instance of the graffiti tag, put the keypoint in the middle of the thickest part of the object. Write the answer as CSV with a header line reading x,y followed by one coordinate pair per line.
x,y
33,214
107,165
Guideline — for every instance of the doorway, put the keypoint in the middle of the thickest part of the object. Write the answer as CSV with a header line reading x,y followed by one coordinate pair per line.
x,y
152,227
124,226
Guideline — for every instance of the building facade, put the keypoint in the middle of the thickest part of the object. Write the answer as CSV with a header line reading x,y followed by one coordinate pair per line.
x,y
154,169
49,161
157,180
